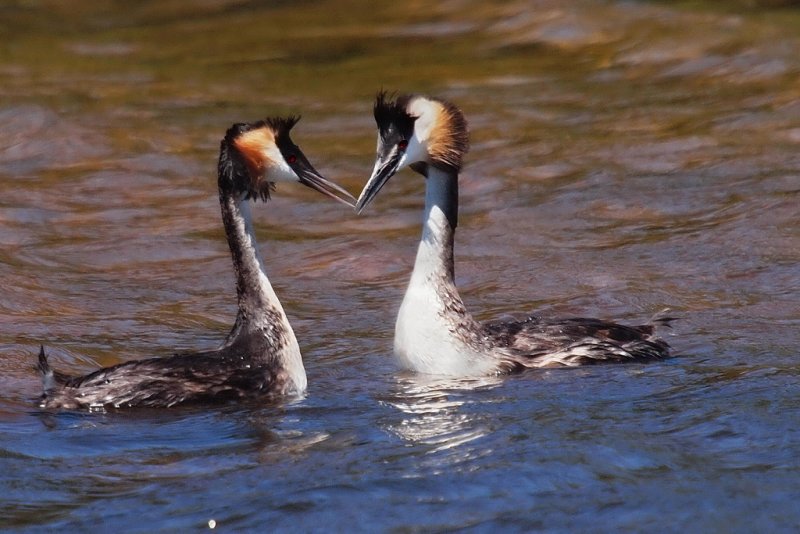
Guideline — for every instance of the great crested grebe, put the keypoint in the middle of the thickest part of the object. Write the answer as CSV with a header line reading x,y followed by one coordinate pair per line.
x,y
435,333
260,356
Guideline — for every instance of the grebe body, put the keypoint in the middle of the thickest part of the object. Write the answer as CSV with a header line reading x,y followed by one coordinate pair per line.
x,y
260,356
434,332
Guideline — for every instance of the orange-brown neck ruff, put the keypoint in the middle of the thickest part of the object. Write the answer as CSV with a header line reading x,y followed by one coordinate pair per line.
x,y
448,138
254,146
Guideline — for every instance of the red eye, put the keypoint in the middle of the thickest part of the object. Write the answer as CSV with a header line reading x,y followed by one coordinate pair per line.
x,y
402,144
292,158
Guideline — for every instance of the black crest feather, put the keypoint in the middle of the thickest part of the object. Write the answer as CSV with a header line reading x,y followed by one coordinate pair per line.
x,y
282,125
391,115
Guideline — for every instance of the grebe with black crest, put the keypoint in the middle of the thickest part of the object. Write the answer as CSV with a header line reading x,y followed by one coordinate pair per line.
x,y
260,356
434,332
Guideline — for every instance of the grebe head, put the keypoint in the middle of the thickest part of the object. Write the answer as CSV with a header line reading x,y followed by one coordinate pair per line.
x,y
415,131
257,155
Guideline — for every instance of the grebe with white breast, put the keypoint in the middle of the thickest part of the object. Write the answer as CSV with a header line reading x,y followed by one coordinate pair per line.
x,y
260,357
434,332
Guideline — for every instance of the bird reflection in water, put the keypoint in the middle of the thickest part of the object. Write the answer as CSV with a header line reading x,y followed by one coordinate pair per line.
x,y
443,415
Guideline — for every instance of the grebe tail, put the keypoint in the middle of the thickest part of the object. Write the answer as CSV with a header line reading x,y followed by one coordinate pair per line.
x,y
434,332
260,356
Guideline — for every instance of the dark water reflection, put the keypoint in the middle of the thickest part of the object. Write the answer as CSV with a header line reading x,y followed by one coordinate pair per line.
x,y
626,157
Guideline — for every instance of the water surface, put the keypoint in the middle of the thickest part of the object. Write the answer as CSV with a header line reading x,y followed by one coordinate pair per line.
x,y
626,157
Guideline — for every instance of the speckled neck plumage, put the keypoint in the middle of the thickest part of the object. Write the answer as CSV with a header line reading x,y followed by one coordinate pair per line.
x,y
253,290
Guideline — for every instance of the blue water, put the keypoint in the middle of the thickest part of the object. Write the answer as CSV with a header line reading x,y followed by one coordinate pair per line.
x,y
674,446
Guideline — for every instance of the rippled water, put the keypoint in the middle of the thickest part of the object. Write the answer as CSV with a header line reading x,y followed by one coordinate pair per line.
x,y
626,157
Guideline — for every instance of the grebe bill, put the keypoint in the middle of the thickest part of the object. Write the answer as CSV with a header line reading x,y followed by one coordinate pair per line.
x,y
434,332
260,356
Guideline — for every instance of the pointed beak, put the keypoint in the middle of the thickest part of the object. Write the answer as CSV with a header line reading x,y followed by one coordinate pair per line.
x,y
384,169
310,177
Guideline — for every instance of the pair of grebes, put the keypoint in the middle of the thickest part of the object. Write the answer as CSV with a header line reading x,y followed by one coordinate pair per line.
x,y
434,333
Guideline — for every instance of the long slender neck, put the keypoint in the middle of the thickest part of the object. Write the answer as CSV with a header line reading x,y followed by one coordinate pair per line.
x,y
262,335
253,290
262,329
434,332
435,253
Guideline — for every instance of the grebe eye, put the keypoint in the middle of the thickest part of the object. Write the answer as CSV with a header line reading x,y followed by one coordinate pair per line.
x,y
292,158
402,144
